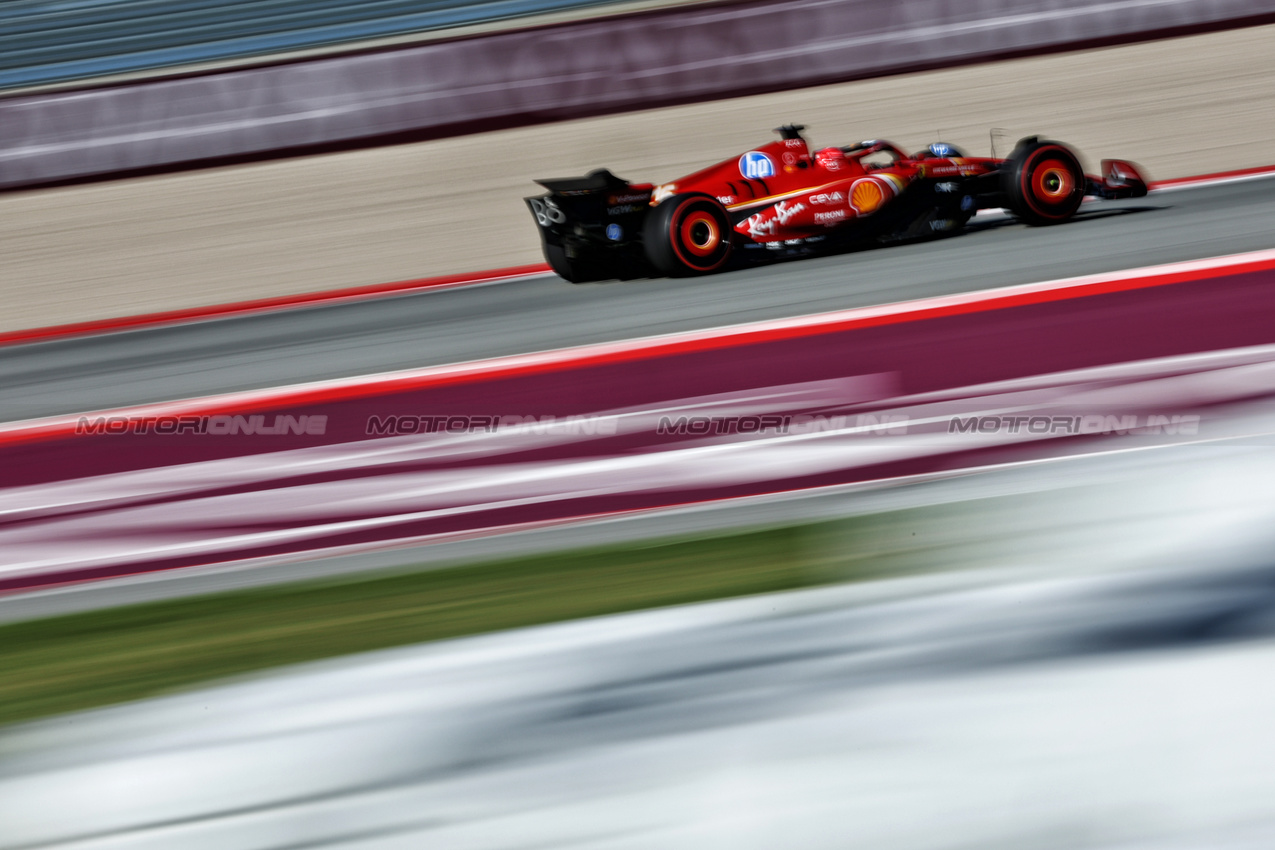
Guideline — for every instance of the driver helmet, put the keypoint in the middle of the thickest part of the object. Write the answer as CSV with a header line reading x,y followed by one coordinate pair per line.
x,y
831,158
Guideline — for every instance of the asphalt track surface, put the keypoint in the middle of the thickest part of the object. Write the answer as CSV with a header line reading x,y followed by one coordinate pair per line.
x,y
134,367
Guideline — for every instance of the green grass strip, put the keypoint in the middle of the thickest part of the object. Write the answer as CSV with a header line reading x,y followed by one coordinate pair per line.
x,y
85,660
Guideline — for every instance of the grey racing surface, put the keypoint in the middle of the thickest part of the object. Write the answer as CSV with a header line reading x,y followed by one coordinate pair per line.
x,y
183,361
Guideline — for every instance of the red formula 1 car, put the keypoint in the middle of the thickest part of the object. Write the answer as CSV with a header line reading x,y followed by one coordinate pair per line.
x,y
780,200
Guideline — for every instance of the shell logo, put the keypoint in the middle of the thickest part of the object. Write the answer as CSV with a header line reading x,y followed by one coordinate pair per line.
x,y
866,196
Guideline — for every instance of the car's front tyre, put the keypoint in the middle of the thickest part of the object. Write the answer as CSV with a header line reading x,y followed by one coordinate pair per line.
x,y
1043,182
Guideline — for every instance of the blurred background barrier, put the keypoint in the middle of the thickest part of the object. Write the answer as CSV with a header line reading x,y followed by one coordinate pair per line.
x,y
43,43
551,73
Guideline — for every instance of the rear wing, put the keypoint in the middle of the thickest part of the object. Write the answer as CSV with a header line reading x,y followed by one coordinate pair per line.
x,y
592,220
600,180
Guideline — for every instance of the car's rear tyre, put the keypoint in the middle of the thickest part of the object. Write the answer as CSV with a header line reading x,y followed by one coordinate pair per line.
x,y
688,234
574,269
1043,182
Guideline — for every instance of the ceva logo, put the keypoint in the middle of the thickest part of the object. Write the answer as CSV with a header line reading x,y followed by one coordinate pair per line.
x,y
755,165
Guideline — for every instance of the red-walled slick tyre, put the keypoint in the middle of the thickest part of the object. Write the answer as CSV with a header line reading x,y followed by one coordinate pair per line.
x,y
688,235
1043,182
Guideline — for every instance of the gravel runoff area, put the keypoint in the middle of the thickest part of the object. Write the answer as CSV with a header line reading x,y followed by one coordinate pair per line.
x,y
1182,106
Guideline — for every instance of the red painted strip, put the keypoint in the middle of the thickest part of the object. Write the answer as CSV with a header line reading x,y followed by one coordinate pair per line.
x,y
33,582
264,305
665,346
1219,177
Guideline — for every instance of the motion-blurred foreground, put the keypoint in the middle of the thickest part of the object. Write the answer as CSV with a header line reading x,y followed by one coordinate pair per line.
x,y
1089,668
1005,637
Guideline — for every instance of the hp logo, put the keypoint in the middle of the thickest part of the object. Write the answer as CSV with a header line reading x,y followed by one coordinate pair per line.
x,y
756,166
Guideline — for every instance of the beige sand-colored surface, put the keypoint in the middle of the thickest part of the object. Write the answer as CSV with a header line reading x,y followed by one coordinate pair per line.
x,y
1179,107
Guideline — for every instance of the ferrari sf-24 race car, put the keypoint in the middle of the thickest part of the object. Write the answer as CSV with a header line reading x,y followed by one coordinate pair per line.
x,y
780,200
